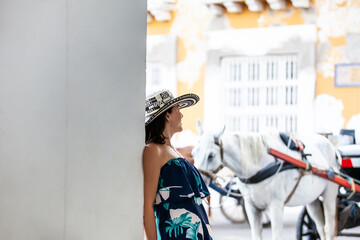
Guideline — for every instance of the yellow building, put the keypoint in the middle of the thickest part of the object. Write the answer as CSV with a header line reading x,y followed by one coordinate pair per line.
x,y
259,63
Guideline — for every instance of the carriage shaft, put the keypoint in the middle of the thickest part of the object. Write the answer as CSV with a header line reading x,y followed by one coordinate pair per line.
x,y
319,172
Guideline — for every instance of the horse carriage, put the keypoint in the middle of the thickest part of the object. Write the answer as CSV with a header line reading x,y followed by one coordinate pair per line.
x,y
348,200
269,183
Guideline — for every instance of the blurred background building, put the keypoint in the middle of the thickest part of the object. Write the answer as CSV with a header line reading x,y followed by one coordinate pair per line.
x,y
291,65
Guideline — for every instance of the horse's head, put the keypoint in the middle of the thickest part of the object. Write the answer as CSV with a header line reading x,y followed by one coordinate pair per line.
x,y
207,152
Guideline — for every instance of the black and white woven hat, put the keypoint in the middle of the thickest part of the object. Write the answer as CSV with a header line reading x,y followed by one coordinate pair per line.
x,y
160,101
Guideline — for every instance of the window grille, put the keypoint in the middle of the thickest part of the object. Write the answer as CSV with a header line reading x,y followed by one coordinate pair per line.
x,y
260,92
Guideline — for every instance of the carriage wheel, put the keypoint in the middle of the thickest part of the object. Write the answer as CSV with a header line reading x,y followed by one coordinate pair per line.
x,y
233,208
305,227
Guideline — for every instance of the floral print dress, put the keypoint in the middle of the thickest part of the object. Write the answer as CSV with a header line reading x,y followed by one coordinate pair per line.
x,y
178,207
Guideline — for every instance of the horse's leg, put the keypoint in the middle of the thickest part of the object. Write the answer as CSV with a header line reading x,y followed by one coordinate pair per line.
x,y
276,210
254,217
329,204
316,213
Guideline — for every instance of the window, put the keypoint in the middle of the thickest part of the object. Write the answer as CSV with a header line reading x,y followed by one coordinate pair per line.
x,y
260,92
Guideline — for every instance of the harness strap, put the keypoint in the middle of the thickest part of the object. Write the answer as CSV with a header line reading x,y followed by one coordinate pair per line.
x,y
301,174
352,184
300,145
267,172
222,165
308,166
208,174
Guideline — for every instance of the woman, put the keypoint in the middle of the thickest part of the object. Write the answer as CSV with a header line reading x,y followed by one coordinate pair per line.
x,y
173,188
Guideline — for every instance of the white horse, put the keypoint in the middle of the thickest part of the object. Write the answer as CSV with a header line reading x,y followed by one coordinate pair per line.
x,y
246,154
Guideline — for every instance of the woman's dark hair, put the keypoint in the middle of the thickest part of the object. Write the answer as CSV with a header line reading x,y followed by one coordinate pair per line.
x,y
153,131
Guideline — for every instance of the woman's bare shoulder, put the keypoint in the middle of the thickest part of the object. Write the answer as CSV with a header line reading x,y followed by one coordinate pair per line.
x,y
152,152
152,148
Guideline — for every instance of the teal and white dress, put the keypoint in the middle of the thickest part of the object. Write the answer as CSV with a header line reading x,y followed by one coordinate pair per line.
x,y
178,207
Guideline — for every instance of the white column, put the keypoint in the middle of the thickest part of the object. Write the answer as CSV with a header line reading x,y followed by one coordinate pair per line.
x,y
72,89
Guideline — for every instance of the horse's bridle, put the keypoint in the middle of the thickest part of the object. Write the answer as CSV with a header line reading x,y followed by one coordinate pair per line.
x,y
222,164
212,174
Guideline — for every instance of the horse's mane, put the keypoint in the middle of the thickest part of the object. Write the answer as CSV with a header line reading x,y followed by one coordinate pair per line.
x,y
253,145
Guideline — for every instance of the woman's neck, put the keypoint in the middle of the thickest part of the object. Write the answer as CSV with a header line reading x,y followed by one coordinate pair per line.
x,y
167,135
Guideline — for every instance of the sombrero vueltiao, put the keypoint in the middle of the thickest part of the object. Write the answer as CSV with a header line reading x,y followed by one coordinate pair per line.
x,y
160,101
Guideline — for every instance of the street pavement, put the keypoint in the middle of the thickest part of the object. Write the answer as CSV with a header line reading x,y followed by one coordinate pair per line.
x,y
223,229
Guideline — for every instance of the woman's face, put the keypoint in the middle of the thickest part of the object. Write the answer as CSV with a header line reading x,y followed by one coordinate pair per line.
x,y
175,119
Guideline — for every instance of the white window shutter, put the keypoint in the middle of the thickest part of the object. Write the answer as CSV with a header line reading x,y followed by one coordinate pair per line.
x,y
260,92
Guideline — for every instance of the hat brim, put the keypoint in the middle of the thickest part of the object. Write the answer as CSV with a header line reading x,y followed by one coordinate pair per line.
x,y
183,101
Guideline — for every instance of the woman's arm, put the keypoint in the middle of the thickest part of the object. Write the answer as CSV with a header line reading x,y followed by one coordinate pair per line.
x,y
151,166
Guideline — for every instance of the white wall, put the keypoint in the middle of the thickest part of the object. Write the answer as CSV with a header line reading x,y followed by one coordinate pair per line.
x,y
72,89
161,58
